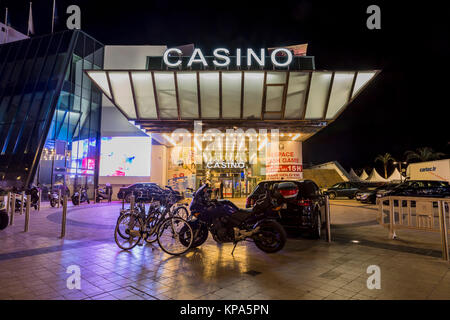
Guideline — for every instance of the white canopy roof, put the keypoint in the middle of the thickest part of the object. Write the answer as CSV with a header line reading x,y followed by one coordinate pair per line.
x,y
375,177
353,175
364,175
231,95
395,176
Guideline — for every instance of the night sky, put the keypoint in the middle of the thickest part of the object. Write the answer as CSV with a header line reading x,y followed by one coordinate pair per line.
x,y
406,107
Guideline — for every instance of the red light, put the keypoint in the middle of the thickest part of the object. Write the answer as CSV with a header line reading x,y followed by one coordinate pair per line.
x,y
304,203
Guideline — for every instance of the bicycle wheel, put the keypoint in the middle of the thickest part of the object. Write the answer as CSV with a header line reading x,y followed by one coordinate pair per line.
x,y
175,236
152,226
181,212
127,233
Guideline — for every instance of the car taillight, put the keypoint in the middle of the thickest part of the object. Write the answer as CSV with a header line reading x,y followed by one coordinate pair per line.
x,y
289,193
304,203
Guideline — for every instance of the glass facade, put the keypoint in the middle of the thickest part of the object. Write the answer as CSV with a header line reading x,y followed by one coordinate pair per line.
x,y
50,112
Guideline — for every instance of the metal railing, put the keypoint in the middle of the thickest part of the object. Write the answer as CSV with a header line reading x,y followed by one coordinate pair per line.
x,y
416,213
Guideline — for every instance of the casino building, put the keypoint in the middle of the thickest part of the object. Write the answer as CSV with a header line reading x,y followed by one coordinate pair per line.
x,y
76,112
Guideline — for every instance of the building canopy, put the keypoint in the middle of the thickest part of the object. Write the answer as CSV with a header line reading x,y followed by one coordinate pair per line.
x,y
298,99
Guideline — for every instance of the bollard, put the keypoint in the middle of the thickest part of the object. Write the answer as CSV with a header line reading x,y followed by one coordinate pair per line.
x,y
13,208
8,203
64,217
79,197
59,198
132,204
444,231
27,216
95,195
328,218
22,200
39,200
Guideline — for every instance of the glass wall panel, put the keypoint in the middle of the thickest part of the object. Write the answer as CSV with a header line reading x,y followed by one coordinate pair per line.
x,y
318,93
209,94
49,105
340,92
187,91
165,89
231,95
145,97
253,94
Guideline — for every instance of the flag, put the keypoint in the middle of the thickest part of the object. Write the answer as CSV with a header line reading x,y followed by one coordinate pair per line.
x,y
30,22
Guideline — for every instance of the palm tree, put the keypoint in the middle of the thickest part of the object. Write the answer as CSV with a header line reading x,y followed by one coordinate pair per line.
x,y
384,159
423,154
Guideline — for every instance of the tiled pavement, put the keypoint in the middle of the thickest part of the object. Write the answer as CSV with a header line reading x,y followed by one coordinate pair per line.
x,y
33,265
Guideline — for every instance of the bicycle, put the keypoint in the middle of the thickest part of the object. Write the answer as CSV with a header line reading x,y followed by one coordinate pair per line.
x,y
160,224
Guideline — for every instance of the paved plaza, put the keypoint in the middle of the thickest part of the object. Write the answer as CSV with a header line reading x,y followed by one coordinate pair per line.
x,y
33,265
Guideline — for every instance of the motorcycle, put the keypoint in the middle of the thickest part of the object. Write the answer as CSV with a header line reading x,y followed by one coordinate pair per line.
x,y
54,198
32,194
101,195
80,197
228,223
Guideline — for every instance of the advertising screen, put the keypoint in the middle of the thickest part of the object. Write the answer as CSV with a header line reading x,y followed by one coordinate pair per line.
x,y
125,156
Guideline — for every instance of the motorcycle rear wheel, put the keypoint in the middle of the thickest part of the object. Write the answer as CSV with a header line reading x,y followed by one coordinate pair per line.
x,y
271,238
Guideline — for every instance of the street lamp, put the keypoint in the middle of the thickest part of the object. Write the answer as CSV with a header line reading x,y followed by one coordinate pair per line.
x,y
400,167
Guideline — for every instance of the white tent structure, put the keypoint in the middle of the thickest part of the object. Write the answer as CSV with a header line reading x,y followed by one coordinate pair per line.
x,y
353,175
395,176
375,177
364,175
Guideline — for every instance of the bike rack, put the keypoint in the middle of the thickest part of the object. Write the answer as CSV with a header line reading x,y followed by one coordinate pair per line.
x,y
328,218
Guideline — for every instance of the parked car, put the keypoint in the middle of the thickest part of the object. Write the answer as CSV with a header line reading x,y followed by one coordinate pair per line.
x,y
368,194
147,188
343,189
419,188
305,210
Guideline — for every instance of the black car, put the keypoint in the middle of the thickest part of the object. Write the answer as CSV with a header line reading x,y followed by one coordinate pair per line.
x,y
343,189
305,210
146,189
419,188
368,194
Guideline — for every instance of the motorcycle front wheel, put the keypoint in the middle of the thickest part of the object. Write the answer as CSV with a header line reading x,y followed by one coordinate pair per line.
x,y
200,235
75,201
271,237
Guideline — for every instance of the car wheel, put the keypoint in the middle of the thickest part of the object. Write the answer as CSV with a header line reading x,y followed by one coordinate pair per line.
x,y
332,195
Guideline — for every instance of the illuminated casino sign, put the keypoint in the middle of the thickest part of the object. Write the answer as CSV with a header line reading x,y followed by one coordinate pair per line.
x,y
225,164
280,57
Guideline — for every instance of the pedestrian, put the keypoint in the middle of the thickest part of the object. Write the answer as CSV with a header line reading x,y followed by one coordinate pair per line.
x,y
221,189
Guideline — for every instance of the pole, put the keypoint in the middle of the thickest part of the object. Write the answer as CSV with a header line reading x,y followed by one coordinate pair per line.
x,y
123,203
27,216
132,204
79,197
444,230
64,217
39,200
328,218
95,195
53,16
392,234
22,204
13,208
8,203
5,38
59,198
